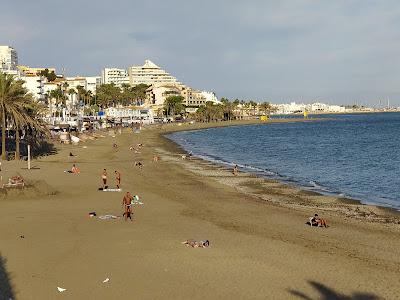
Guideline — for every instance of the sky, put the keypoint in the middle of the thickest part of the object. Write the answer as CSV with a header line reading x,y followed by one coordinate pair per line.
x,y
338,52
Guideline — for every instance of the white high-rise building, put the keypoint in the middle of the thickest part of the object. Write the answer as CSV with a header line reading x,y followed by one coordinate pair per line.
x,y
8,59
114,75
149,74
35,86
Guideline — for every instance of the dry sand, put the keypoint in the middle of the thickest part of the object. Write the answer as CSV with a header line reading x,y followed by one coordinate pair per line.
x,y
260,245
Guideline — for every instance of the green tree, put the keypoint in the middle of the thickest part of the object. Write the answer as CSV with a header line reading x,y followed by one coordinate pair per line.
x,y
51,76
108,94
174,105
16,109
267,108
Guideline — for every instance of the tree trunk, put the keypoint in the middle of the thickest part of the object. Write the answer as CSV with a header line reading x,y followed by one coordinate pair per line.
x,y
17,144
3,136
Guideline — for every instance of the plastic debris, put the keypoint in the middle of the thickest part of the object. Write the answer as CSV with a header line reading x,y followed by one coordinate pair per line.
x,y
60,289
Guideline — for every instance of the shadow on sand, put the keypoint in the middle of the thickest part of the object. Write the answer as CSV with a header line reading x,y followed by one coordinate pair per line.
x,y
326,293
6,290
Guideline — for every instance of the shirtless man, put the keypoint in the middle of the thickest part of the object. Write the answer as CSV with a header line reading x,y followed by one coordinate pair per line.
x,y
127,204
75,169
104,178
118,178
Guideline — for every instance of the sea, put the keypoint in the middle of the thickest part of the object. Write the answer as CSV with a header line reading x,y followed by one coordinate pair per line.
x,y
354,156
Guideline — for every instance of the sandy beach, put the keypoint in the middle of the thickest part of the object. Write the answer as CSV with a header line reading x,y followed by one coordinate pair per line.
x,y
261,247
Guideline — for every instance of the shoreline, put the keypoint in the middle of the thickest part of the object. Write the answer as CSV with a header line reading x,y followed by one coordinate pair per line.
x,y
365,211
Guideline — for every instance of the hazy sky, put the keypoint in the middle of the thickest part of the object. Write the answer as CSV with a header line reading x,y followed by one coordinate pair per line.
x,y
340,51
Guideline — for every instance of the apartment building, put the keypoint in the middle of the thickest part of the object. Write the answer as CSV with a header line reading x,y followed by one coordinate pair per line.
x,y
115,76
8,59
149,74
35,86
28,71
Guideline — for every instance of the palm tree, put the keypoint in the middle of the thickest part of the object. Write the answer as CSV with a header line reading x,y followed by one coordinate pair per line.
x,y
72,92
267,108
15,103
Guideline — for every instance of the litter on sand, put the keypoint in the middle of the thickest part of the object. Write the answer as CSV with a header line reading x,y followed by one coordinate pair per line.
x,y
106,280
107,217
60,289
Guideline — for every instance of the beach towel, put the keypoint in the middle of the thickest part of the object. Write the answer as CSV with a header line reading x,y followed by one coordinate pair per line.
x,y
112,190
107,217
136,201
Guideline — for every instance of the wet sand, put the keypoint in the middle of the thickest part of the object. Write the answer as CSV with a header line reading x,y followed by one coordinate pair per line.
x,y
260,245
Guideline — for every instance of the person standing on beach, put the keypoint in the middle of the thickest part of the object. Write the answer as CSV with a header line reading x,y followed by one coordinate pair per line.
x,y
235,170
127,204
117,178
104,178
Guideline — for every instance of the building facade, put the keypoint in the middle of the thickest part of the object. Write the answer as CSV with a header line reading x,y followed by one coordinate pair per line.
x,y
28,71
115,76
149,74
35,86
8,59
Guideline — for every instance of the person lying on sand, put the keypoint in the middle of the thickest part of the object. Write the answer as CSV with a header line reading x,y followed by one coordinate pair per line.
x,y
196,244
317,221
16,180
117,178
127,204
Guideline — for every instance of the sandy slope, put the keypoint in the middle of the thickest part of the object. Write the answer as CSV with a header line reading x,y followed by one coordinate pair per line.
x,y
258,250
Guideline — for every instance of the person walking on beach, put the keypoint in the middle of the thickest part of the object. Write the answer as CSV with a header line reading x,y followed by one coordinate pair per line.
x,y
117,178
127,204
104,178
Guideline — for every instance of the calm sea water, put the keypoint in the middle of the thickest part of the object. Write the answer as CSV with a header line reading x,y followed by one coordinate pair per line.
x,y
354,156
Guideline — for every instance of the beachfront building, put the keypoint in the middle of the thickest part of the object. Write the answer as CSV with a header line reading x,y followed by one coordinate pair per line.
x,y
128,115
115,76
92,82
149,74
35,85
8,60
291,108
324,108
210,97
193,99
28,71
316,107
156,94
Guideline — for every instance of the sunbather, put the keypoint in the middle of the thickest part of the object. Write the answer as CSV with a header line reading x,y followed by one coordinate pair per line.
x,y
317,221
75,169
16,180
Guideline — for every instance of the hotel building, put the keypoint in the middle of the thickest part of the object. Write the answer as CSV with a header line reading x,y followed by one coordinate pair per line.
x,y
8,59
149,74
115,76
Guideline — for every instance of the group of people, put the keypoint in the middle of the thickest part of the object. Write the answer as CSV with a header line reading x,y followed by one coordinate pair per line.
x,y
117,179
